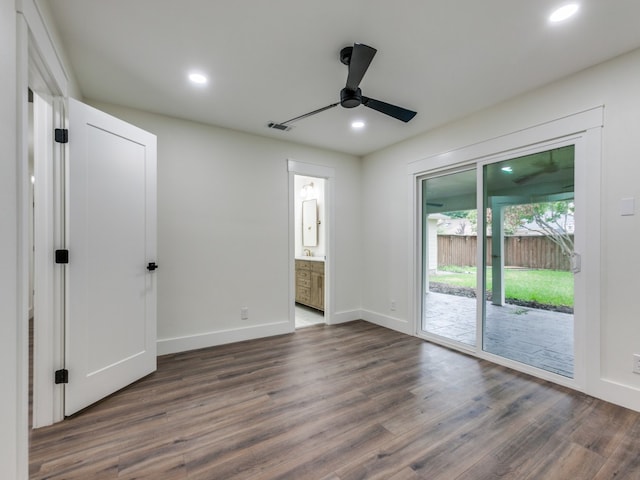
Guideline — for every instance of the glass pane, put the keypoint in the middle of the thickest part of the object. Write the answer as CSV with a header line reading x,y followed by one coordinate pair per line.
x,y
529,206
450,240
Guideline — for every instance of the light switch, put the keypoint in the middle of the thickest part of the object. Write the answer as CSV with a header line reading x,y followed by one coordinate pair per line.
x,y
628,206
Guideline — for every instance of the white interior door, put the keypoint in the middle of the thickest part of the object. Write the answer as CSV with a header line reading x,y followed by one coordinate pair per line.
x,y
111,238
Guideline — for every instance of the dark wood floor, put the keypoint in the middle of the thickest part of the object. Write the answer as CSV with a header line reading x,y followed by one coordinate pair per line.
x,y
347,402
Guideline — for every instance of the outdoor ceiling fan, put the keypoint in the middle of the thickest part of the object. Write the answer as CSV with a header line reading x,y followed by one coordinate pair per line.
x,y
357,59
542,167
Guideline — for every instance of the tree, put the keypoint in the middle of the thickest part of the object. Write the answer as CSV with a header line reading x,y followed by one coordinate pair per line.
x,y
552,219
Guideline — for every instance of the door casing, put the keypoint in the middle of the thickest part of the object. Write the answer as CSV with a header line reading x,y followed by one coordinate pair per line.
x,y
328,173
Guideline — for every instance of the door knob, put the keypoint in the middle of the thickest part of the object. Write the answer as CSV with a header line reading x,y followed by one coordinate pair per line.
x,y
152,266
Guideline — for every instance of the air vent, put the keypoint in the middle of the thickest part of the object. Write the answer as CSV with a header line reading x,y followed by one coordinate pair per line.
x,y
279,126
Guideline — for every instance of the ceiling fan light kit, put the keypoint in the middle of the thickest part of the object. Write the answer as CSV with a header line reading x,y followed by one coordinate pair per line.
x,y
357,59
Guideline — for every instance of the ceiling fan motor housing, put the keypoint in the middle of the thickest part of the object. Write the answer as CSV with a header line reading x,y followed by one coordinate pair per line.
x,y
350,98
345,55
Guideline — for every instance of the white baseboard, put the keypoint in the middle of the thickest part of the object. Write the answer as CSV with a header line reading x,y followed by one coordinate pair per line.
x,y
618,393
221,337
346,316
397,324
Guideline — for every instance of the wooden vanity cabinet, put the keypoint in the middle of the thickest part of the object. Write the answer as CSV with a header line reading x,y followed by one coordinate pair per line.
x,y
310,283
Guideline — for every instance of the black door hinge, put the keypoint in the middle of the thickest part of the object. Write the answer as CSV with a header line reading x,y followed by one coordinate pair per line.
x,y
62,256
62,135
62,376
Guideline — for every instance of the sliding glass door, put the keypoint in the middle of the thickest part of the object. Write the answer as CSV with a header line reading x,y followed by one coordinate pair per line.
x,y
529,206
516,256
450,221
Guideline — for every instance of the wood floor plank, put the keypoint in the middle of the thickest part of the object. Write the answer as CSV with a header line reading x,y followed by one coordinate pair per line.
x,y
346,402
624,462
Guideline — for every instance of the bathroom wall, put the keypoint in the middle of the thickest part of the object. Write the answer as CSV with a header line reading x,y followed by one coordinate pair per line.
x,y
318,193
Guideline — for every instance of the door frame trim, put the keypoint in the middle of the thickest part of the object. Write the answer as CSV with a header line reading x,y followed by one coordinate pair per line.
x,y
48,305
584,130
39,67
328,174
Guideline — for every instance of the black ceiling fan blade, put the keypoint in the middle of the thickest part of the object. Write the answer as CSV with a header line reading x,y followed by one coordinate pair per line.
x,y
361,57
388,109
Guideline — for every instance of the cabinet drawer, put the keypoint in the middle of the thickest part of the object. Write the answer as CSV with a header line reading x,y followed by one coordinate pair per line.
x,y
303,282
303,274
317,267
303,265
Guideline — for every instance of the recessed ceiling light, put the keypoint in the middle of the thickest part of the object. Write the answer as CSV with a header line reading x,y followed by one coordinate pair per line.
x,y
564,12
198,78
357,125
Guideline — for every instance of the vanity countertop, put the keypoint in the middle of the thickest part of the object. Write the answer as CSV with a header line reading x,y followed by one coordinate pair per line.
x,y
313,259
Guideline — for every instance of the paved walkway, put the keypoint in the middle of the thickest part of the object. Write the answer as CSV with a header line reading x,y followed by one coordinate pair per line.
x,y
539,338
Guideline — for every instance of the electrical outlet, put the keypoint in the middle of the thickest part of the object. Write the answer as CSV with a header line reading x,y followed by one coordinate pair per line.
x,y
393,306
244,313
636,363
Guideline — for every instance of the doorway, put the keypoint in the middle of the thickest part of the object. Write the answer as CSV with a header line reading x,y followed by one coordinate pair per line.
x,y
310,250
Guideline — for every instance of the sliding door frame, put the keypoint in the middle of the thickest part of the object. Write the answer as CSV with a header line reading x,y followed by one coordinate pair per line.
x,y
579,322
420,332
582,130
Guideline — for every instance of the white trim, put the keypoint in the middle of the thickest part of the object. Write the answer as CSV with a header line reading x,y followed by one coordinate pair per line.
x,y
328,173
398,324
38,65
48,329
615,392
221,337
545,132
584,131
310,169
346,316
591,216
22,260
42,51
415,256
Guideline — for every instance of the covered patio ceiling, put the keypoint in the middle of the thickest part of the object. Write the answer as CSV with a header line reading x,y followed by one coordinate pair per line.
x,y
540,177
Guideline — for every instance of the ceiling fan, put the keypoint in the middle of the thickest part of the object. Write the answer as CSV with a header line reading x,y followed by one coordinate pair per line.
x,y
543,167
357,59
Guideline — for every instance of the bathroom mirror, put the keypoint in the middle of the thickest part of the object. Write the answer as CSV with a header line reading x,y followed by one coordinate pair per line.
x,y
310,223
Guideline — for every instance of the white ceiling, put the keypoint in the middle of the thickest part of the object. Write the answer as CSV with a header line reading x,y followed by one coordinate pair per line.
x,y
274,60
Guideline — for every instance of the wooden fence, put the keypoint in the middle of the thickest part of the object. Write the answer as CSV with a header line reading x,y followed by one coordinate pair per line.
x,y
520,251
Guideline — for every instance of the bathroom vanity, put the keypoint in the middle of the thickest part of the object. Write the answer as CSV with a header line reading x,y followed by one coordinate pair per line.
x,y
310,282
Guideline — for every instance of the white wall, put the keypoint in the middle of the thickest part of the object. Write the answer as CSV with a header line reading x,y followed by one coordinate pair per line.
x,y
223,230
386,194
9,412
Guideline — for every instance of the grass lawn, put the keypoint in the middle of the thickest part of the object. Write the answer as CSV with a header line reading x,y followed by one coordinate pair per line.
x,y
549,287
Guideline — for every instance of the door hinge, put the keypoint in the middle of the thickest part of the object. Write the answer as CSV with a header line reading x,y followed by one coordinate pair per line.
x,y
62,135
62,256
62,376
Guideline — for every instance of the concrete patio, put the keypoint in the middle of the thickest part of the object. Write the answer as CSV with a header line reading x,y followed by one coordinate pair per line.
x,y
539,338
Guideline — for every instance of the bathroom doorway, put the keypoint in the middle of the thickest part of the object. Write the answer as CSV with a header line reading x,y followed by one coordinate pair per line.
x,y
310,250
